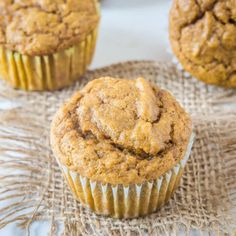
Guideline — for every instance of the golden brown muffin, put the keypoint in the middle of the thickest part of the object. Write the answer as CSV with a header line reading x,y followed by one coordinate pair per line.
x,y
46,44
118,131
121,131
203,37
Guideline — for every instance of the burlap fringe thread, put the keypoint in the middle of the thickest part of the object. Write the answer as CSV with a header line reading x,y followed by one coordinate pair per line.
x,y
32,187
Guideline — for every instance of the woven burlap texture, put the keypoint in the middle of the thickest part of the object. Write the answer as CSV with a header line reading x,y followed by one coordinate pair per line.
x,y
32,187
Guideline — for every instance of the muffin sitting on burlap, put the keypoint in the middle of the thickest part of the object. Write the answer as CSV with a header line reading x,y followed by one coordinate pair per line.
x,y
203,37
122,145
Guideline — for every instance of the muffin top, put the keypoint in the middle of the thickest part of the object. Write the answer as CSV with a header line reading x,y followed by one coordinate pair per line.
x,y
203,37
39,27
120,131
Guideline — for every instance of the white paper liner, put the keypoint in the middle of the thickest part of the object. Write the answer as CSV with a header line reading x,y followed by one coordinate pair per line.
x,y
120,201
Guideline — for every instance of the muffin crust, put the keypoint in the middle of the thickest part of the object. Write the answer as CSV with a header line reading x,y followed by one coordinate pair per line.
x,y
120,131
41,27
203,37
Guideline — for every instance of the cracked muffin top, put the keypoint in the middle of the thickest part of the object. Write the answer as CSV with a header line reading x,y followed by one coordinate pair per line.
x,y
121,131
203,37
39,27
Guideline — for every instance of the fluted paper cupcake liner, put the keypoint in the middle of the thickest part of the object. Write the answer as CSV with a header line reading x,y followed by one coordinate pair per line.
x,y
126,201
48,72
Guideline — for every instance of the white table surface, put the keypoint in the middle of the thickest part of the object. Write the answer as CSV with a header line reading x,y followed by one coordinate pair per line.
x,y
130,30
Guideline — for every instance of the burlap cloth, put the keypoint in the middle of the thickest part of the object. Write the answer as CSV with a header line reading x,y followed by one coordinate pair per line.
x,y
32,187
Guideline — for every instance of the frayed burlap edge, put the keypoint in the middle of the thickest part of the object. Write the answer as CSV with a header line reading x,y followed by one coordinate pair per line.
x,y
32,187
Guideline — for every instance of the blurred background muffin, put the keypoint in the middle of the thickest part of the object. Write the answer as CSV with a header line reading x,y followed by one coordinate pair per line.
x,y
46,44
203,37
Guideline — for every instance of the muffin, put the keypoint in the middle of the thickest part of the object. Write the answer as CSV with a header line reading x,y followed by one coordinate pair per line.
x,y
203,38
122,146
46,44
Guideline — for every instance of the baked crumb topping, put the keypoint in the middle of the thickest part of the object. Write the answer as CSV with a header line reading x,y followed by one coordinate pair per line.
x,y
203,37
40,27
121,131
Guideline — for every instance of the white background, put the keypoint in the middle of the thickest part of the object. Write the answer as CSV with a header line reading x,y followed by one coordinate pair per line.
x,y
130,30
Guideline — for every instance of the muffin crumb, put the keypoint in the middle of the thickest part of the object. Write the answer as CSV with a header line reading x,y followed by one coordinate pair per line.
x,y
121,131
203,37
43,27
